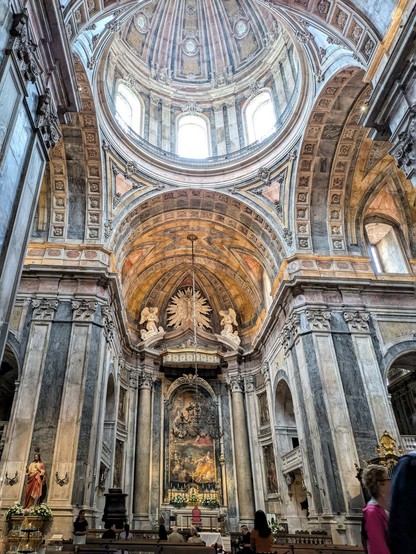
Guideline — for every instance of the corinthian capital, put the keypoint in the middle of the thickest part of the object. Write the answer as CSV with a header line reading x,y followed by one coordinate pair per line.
x,y
319,320
44,308
235,383
357,321
146,381
84,310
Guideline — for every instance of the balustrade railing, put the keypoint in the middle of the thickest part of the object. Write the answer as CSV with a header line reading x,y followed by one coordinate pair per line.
x,y
409,442
292,460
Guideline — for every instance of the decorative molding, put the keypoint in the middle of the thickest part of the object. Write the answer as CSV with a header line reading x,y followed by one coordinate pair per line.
x,y
290,332
265,371
109,327
63,481
44,308
24,47
405,149
249,383
47,120
11,480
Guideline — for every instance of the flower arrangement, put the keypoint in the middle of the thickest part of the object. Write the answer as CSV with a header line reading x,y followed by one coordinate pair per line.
x,y
210,503
276,526
178,500
15,510
41,510
193,498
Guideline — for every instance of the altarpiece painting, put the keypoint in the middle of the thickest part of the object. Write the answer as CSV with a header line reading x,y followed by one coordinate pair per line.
x,y
191,440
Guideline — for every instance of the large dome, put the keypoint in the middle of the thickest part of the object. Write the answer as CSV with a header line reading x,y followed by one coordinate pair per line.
x,y
207,44
216,61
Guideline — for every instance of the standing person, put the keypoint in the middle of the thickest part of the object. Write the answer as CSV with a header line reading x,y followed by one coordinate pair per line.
x,y
245,539
80,528
377,482
262,538
163,534
35,487
402,525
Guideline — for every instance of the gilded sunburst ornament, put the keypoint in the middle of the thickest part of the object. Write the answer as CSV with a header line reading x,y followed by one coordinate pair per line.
x,y
181,310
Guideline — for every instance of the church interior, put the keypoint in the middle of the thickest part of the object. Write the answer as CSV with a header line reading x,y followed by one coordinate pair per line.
x,y
207,255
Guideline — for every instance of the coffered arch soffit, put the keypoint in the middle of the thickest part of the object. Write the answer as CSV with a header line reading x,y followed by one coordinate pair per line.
x,y
345,24
331,137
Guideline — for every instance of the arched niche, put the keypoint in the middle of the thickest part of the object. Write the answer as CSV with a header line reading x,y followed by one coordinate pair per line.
x,y
285,416
192,441
9,374
401,385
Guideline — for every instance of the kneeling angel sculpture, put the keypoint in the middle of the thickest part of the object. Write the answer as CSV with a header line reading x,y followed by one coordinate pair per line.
x,y
150,317
228,320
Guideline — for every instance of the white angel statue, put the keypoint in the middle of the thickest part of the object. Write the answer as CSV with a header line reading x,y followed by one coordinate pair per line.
x,y
150,317
229,318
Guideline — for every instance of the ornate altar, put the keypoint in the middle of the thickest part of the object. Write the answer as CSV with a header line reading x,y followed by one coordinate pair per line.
x,y
192,444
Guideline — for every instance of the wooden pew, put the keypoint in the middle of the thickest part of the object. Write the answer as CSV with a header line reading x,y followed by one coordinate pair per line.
x,y
98,546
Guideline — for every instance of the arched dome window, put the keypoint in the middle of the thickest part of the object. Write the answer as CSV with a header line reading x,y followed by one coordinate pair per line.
x,y
129,108
385,247
260,117
192,140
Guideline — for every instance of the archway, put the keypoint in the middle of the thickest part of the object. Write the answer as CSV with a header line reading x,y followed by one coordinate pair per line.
x,y
8,376
401,385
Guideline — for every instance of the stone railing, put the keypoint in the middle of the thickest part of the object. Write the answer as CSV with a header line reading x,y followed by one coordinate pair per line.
x,y
409,442
302,538
292,460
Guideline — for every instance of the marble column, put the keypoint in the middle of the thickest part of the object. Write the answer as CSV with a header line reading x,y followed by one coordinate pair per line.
x,y
143,449
241,451
22,423
376,390
332,396
256,451
69,421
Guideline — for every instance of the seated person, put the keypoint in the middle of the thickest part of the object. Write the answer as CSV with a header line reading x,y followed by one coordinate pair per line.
x,y
195,538
175,536
110,533
196,517
245,539
126,534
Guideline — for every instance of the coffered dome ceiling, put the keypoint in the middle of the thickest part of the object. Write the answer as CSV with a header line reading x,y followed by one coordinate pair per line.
x,y
200,43
209,59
